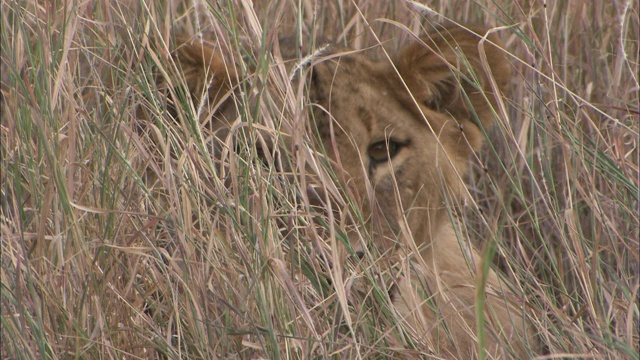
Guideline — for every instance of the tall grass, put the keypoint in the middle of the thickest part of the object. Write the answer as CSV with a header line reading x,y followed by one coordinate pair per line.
x,y
126,233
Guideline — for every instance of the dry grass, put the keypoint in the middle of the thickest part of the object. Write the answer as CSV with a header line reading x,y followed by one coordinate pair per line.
x,y
125,238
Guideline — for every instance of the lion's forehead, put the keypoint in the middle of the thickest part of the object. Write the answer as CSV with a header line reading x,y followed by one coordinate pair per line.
x,y
367,100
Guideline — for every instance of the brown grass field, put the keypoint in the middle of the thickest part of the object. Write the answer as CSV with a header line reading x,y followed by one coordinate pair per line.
x,y
123,238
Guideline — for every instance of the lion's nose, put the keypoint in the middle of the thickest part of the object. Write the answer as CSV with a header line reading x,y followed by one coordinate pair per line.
x,y
360,254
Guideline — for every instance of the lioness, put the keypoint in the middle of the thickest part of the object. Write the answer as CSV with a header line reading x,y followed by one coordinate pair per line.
x,y
402,132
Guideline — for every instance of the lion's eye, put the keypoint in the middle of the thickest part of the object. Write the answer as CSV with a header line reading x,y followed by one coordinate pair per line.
x,y
383,150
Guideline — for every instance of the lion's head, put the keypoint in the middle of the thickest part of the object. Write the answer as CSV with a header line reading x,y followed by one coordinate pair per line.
x,y
403,129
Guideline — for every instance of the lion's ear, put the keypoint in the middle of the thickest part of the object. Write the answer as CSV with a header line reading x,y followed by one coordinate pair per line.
x,y
207,76
446,71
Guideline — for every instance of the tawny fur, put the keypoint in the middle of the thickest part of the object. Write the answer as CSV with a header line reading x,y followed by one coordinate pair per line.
x,y
432,100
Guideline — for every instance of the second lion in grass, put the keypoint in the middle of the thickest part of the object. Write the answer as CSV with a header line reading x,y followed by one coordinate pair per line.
x,y
400,133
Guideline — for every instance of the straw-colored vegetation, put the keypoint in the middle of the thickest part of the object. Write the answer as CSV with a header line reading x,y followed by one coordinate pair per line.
x,y
127,234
